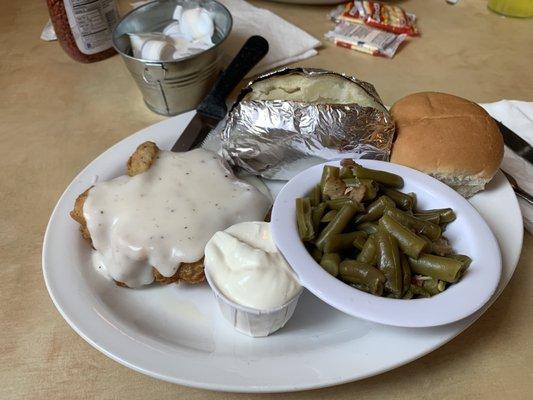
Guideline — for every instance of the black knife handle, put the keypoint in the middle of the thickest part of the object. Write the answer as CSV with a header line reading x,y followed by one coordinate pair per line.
x,y
516,143
214,104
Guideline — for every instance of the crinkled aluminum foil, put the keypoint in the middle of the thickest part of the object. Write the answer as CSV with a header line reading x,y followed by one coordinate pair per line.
x,y
277,139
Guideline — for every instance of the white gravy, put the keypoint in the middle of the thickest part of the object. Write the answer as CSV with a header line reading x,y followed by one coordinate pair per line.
x,y
166,215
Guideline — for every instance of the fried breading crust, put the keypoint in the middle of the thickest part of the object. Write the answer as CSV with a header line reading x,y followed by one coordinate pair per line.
x,y
187,272
142,158
191,273
77,214
140,161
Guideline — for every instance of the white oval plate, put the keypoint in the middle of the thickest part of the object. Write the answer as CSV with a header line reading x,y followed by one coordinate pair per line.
x,y
176,333
468,234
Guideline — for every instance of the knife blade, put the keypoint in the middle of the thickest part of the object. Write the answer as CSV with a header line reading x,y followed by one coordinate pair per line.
x,y
516,143
213,108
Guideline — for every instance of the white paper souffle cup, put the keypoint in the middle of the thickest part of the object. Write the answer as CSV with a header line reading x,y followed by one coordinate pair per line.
x,y
250,321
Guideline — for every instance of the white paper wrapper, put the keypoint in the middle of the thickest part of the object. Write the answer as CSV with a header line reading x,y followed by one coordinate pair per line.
x,y
251,322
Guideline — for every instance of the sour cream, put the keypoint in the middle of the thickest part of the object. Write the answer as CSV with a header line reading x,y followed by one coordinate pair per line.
x,y
246,267
166,215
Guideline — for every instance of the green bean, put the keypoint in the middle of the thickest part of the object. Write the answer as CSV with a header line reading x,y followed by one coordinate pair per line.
x,y
375,210
446,215
360,273
386,178
429,244
433,218
369,252
409,243
337,225
389,261
402,200
316,195
368,227
443,268
303,217
343,241
406,273
465,261
433,286
337,204
360,240
329,171
426,228
330,262
316,215
327,217
346,173
359,226
315,253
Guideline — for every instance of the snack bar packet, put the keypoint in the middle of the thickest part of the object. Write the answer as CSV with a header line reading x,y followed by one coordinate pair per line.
x,y
365,39
377,15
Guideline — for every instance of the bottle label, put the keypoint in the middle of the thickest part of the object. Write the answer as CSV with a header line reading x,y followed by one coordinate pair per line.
x,y
91,23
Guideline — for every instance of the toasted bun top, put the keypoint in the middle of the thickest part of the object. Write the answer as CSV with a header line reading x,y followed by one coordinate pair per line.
x,y
442,134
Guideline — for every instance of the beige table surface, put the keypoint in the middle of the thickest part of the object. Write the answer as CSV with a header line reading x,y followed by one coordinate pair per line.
x,y
57,115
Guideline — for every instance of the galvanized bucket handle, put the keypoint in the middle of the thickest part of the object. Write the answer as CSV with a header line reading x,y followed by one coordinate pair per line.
x,y
154,73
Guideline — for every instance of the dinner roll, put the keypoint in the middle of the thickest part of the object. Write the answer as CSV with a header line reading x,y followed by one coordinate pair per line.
x,y
449,138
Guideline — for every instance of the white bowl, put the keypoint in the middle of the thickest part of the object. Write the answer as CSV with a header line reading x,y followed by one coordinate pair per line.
x,y
468,234
251,321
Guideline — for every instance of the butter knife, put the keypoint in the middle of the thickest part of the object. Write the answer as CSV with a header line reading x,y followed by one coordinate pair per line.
x,y
516,143
213,108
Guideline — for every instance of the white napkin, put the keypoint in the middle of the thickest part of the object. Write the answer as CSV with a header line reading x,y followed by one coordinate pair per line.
x,y
517,116
287,42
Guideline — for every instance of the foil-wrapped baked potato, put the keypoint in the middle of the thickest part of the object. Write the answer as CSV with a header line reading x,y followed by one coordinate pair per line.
x,y
287,120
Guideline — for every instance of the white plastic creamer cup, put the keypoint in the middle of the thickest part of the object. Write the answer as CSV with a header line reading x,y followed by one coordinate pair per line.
x,y
157,50
172,29
178,11
251,321
138,40
197,23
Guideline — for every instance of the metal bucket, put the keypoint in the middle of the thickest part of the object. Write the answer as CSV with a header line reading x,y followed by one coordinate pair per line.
x,y
172,87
